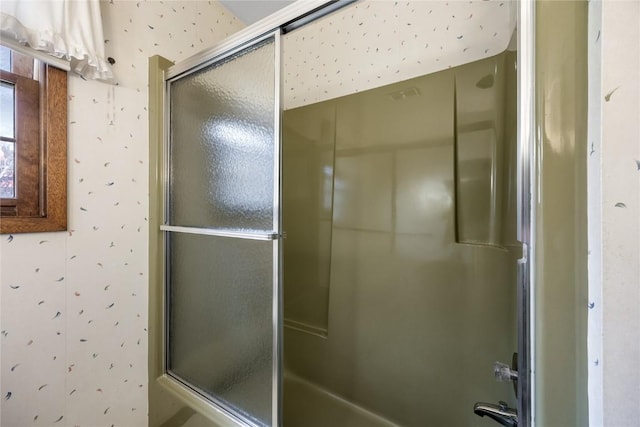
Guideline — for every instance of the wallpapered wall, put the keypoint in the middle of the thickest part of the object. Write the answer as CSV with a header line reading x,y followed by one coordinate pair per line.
x,y
620,209
74,304
375,43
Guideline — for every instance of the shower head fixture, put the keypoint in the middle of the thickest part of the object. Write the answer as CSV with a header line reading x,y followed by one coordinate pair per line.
x,y
486,82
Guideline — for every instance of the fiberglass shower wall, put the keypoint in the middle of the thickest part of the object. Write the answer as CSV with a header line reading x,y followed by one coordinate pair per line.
x,y
399,210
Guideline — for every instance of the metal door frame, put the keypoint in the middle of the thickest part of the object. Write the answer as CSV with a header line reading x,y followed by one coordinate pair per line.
x,y
209,405
526,221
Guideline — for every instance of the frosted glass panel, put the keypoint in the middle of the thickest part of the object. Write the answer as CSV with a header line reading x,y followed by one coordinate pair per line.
x,y
222,143
221,320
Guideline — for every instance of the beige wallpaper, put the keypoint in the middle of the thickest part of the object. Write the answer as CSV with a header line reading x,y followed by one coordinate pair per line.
x,y
375,43
620,37
74,305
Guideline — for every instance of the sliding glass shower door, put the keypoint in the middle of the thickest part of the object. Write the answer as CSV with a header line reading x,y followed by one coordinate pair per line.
x,y
222,232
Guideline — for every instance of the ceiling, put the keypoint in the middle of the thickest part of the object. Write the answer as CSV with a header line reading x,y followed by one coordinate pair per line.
x,y
250,11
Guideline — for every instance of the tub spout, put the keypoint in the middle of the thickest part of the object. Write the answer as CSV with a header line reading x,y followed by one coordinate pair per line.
x,y
501,413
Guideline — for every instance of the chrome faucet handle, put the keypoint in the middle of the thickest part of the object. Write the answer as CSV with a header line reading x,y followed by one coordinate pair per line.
x,y
500,413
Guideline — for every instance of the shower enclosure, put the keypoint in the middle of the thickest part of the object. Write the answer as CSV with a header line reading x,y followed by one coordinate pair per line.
x,y
400,256
341,236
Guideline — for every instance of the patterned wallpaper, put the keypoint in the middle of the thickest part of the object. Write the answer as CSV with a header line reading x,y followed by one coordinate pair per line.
x,y
74,305
374,43
614,212
620,208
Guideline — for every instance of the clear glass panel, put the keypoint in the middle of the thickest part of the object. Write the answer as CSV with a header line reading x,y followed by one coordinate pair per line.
x,y
5,58
222,143
7,109
221,321
7,170
485,139
308,151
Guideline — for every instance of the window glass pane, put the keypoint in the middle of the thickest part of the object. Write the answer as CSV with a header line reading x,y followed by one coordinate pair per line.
x,y
222,143
221,320
5,58
7,170
7,105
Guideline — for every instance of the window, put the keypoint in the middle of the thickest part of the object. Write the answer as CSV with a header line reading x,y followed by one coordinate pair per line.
x,y
33,145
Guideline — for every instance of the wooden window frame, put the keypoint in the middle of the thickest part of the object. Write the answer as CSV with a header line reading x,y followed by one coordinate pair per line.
x,y
51,212
27,147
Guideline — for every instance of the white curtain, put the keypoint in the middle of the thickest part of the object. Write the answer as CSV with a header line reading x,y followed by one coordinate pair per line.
x,y
69,29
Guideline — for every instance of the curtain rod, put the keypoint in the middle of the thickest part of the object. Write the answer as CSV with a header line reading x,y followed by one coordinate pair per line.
x,y
37,54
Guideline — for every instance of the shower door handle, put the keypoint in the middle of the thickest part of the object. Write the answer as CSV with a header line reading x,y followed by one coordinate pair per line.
x,y
504,372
